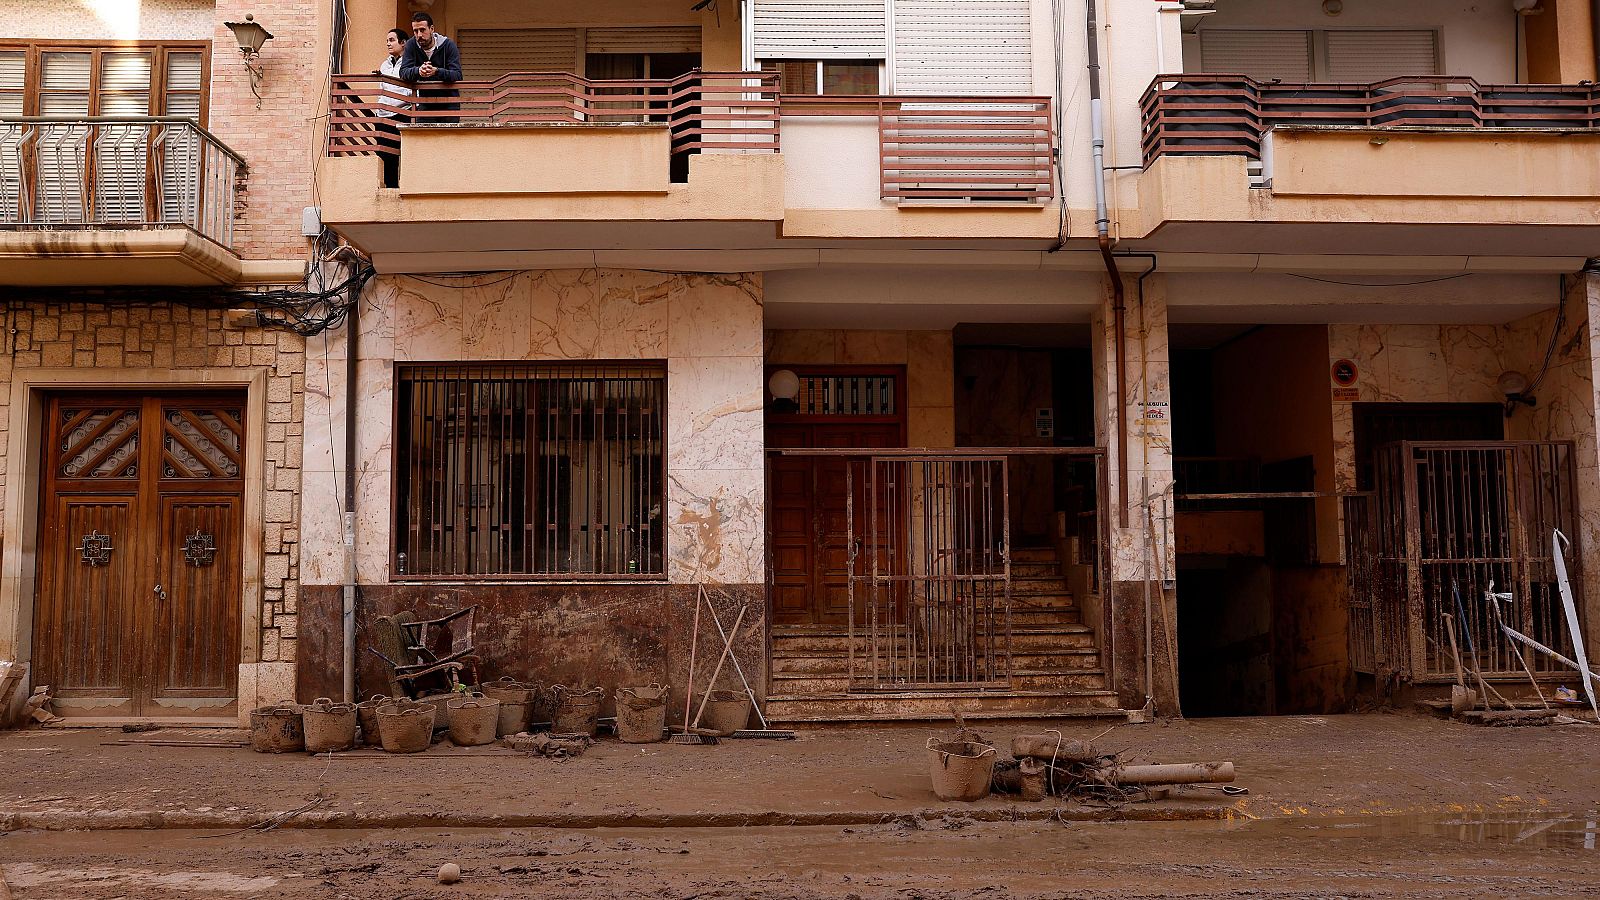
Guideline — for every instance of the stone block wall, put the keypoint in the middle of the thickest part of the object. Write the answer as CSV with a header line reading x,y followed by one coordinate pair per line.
x,y
142,336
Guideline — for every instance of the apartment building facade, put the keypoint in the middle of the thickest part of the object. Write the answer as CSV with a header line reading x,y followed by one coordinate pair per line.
x,y
1042,359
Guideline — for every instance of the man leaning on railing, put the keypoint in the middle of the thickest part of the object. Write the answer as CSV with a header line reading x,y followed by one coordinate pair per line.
x,y
431,57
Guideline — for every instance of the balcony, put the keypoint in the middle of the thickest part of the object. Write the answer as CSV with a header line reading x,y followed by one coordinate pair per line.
x,y
1500,170
534,162
535,169
124,201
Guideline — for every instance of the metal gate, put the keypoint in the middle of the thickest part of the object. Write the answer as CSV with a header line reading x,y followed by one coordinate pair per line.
x,y
1447,520
929,573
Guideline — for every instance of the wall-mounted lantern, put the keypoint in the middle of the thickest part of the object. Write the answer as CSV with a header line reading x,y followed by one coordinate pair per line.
x,y
251,36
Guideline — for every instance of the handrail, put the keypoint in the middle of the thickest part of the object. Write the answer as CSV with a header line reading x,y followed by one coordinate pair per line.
x,y
105,171
734,111
1205,113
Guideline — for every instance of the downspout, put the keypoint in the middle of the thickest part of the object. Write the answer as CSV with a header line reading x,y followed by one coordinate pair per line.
x,y
1594,35
352,355
1102,224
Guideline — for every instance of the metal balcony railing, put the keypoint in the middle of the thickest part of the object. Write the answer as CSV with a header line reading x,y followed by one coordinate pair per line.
x,y
1231,114
723,111
94,172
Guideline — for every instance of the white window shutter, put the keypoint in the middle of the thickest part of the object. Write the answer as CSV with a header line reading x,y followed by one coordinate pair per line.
x,y
61,151
819,29
488,53
181,147
13,72
1367,56
1261,54
963,47
643,39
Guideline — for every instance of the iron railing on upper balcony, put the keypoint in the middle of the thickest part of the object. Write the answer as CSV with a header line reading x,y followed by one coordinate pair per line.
x,y
953,148
716,111
1231,114
134,172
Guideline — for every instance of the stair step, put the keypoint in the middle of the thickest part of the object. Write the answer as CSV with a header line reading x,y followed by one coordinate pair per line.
x,y
1025,636
935,705
838,662
1083,680
1035,569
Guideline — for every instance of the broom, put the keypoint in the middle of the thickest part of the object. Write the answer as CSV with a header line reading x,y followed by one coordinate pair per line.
x,y
687,734
765,731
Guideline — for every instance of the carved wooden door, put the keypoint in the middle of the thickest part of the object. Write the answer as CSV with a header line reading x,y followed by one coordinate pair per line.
x,y
140,560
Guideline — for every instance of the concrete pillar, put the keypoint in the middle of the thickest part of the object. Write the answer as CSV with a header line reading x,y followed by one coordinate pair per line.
x,y
1143,563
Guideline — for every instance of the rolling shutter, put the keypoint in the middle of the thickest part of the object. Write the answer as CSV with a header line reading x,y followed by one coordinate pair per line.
x,y
819,29
119,149
61,150
1263,55
488,53
963,47
1366,56
643,39
13,72
180,176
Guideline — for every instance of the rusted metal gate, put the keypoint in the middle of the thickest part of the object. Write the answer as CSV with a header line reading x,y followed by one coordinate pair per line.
x,y
1447,520
929,573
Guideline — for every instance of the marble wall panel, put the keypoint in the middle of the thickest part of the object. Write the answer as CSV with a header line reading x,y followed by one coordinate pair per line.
x,y
715,526
714,413
707,328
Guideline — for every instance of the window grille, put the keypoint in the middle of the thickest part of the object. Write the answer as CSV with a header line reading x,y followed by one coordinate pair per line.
x,y
530,470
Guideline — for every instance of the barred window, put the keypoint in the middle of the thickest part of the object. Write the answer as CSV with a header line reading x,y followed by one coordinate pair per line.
x,y
529,470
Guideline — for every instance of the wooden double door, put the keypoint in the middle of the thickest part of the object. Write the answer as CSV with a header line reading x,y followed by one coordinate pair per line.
x,y
810,519
139,554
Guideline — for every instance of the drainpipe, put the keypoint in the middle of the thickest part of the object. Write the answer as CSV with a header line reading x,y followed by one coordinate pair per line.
x,y
1594,35
352,347
1102,224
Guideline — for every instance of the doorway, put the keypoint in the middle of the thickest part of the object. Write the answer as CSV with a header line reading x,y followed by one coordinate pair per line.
x,y
809,497
139,554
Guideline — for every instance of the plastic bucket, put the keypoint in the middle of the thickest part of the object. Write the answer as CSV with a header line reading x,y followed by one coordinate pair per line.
x,y
278,728
576,711
329,726
726,712
367,718
961,770
641,714
473,720
405,726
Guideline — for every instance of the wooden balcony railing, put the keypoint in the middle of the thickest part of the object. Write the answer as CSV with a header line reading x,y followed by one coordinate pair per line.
x,y
133,172
953,148
725,111
1230,114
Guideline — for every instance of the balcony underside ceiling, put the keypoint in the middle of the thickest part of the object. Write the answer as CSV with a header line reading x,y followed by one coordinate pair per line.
x,y
103,257
1372,238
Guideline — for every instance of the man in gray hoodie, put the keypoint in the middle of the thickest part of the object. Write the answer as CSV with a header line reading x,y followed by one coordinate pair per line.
x,y
430,57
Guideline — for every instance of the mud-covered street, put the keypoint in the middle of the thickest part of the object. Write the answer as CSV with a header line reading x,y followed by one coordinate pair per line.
x,y
1374,805
1426,857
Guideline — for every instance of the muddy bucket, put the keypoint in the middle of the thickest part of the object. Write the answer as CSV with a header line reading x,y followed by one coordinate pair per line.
x,y
473,720
329,726
516,704
962,770
278,728
641,714
576,711
405,726
367,718
726,712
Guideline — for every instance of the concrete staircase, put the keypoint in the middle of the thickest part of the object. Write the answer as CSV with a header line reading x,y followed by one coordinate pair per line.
x,y
1055,665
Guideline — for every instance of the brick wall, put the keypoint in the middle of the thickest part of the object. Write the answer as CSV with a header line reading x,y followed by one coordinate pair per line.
x,y
165,336
277,138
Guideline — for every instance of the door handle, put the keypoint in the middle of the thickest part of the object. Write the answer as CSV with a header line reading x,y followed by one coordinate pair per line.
x,y
161,593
